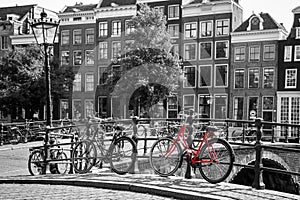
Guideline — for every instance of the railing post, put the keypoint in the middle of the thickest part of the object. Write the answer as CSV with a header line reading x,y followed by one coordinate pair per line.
x,y
145,141
286,140
46,141
134,137
244,133
1,139
273,135
227,130
258,178
298,135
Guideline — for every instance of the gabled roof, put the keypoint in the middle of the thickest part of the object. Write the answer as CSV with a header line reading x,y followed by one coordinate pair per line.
x,y
112,3
79,8
17,10
268,23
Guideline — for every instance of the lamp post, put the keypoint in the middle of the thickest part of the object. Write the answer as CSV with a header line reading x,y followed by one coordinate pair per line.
x,y
44,30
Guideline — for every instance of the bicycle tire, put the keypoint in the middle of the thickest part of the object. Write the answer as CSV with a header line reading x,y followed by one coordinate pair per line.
x,y
62,163
122,155
35,162
216,171
84,156
165,166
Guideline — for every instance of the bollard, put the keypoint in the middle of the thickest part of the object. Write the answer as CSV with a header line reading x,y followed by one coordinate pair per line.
x,y
258,178
46,140
134,137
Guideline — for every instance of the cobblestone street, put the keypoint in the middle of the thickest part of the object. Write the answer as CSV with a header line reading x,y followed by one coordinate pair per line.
x,y
34,191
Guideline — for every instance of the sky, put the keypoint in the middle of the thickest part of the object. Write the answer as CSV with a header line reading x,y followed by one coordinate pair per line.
x,y
280,10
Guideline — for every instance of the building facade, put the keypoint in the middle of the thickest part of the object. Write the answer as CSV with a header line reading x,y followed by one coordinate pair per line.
x,y
288,95
254,68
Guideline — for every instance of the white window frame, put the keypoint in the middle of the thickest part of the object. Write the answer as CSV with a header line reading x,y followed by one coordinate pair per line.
x,y
258,53
104,58
86,83
73,108
210,103
269,45
88,35
227,51
183,98
234,85
62,36
74,57
185,82
85,103
286,77
196,30
297,32
212,50
78,75
128,29
177,33
62,53
259,78
212,29
297,52
105,32
74,31
86,57
211,76
235,49
195,51
248,104
216,27
288,53
215,76
233,107
225,96
273,77
112,49
170,6
119,29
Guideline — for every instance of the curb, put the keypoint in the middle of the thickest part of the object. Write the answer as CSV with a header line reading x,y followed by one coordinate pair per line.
x,y
124,186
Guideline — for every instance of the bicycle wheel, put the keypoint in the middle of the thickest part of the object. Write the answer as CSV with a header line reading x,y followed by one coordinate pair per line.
x,y
84,156
62,163
35,162
216,160
122,155
165,157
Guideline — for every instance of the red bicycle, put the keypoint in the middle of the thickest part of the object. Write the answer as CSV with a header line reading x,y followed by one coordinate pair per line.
x,y
214,156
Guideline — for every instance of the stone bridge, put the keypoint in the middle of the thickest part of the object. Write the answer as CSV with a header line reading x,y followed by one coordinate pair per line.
x,y
271,158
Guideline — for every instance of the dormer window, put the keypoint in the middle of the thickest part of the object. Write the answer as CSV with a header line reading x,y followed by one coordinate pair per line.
x,y
297,32
255,23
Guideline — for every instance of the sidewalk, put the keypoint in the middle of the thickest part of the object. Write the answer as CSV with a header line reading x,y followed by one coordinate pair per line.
x,y
175,187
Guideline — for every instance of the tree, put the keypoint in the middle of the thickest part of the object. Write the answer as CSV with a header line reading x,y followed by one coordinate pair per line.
x,y
149,69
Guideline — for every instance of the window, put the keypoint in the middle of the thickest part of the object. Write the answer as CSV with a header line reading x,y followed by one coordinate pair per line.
x,y
89,57
267,108
221,75
175,50
4,42
89,107
77,39
77,83
297,53
222,27
238,103
255,23
220,107
205,76
103,50
252,107
116,71
128,28
222,49
297,32
116,49
77,60
173,30
254,52
173,12
190,76
190,51
269,52
116,29
253,78
89,82
103,75
160,9
89,36
290,78
239,78
206,29
64,109
269,78
103,29
204,106
205,50
77,109
77,19
287,53
102,106
65,37
65,58
188,102
239,53
190,30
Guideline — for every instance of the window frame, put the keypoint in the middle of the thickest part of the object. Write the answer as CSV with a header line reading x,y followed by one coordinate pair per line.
x,y
183,102
269,52
62,56
273,80
85,107
184,48
87,85
86,57
211,50
103,50
227,51
297,33
103,29
222,27
65,36
128,29
112,49
75,59
288,53
174,12
191,30
225,97
240,54
258,84
77,83
209,104
201,31
235,114
250,58
176,35
88,35
297,53
211,76
185,80
76,36
227,76
286,78
234,82
116,31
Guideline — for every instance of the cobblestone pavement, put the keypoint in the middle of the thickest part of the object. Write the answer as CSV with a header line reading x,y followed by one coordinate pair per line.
x,y
170,187
45,192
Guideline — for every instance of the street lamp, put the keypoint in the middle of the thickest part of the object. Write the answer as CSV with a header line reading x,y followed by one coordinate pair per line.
x,y
44,30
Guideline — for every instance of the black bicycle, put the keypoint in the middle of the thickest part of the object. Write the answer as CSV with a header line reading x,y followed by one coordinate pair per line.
x,y
120,151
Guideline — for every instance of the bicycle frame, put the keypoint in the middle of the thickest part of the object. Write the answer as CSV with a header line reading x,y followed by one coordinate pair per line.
x,y
180,137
